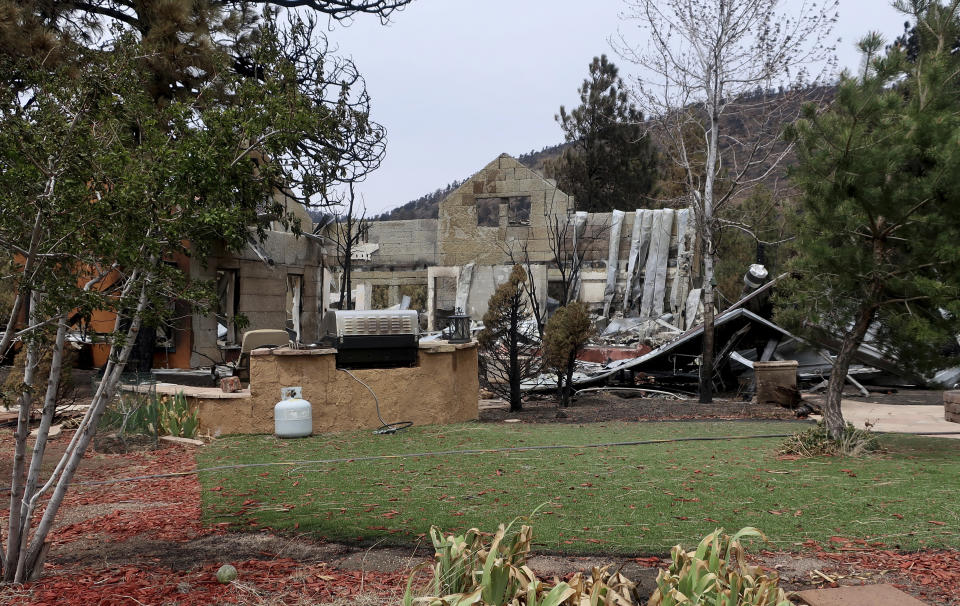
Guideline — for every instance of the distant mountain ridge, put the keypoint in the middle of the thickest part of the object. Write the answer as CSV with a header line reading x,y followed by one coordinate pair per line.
x,y
733,126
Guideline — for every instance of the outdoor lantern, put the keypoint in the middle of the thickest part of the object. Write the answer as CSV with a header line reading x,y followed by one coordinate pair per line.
x,y
459,327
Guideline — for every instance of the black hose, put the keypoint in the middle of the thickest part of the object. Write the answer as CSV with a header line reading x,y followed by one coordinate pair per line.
x,y
475,451
387,427
437,453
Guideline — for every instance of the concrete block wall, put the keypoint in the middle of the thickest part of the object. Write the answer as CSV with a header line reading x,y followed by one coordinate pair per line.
x,y
455,238
403,243
263,289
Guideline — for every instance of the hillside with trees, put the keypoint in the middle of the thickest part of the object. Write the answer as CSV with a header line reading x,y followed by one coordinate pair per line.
x,y
666,189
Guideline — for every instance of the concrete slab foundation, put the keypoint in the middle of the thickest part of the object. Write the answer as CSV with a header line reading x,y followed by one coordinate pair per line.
x,y
864,595
898,418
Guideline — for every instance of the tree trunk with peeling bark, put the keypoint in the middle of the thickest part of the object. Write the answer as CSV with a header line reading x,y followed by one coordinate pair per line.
x,y
26,552
709,251
30,494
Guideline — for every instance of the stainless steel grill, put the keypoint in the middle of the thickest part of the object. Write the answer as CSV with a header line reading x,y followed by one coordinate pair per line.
x,y
374,338
365,323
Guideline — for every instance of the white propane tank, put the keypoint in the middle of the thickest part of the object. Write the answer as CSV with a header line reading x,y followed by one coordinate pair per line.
x,y
292,415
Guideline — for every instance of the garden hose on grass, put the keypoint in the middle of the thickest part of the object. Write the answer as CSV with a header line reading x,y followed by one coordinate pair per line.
x,y
437,453
387,427
476,451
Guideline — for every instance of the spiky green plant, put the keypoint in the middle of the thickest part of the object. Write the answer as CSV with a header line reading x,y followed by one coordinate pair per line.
x,y
717,574
466,571
177,418
816,441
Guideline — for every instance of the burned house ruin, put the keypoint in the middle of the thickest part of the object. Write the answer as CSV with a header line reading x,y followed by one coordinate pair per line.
x,y
507,212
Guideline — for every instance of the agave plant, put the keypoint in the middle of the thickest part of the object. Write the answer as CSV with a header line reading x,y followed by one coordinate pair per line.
x,y
717,574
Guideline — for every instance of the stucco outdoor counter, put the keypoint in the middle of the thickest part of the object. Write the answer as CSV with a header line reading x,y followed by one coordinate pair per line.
x,y
442,388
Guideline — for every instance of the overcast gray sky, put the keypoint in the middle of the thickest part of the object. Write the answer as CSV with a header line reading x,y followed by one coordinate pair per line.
x,y
457,82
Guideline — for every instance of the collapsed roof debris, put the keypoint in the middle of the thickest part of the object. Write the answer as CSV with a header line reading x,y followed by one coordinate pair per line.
x,y
743,335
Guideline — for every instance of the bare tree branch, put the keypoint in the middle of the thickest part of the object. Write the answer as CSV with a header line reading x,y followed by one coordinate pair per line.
x,y
708,62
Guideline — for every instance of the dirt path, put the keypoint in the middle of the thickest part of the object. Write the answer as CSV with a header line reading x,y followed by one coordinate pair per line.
x,y
606,406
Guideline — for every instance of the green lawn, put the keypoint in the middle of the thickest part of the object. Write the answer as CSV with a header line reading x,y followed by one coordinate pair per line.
x,y
628,499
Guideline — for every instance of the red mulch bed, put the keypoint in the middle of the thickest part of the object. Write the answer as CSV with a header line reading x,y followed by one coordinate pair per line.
x,y
167,509
258,581
932,575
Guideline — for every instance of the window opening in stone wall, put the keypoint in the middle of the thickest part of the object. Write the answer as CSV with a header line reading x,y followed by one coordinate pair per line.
x,y
518,210
294,305
417,294
381,296
488,212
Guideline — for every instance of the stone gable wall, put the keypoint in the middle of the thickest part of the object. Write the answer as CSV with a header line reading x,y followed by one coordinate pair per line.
x,y
461,240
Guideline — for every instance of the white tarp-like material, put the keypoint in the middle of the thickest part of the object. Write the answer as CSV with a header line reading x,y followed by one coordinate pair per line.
x,y
692,308
655,271
632,259
639,242
579,225
645,288
646,229
613,265
463,287
681,278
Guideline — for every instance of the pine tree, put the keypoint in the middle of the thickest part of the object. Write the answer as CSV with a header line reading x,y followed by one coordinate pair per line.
x,y
880,176
506,354
609,163
754,232
189,44
567,331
